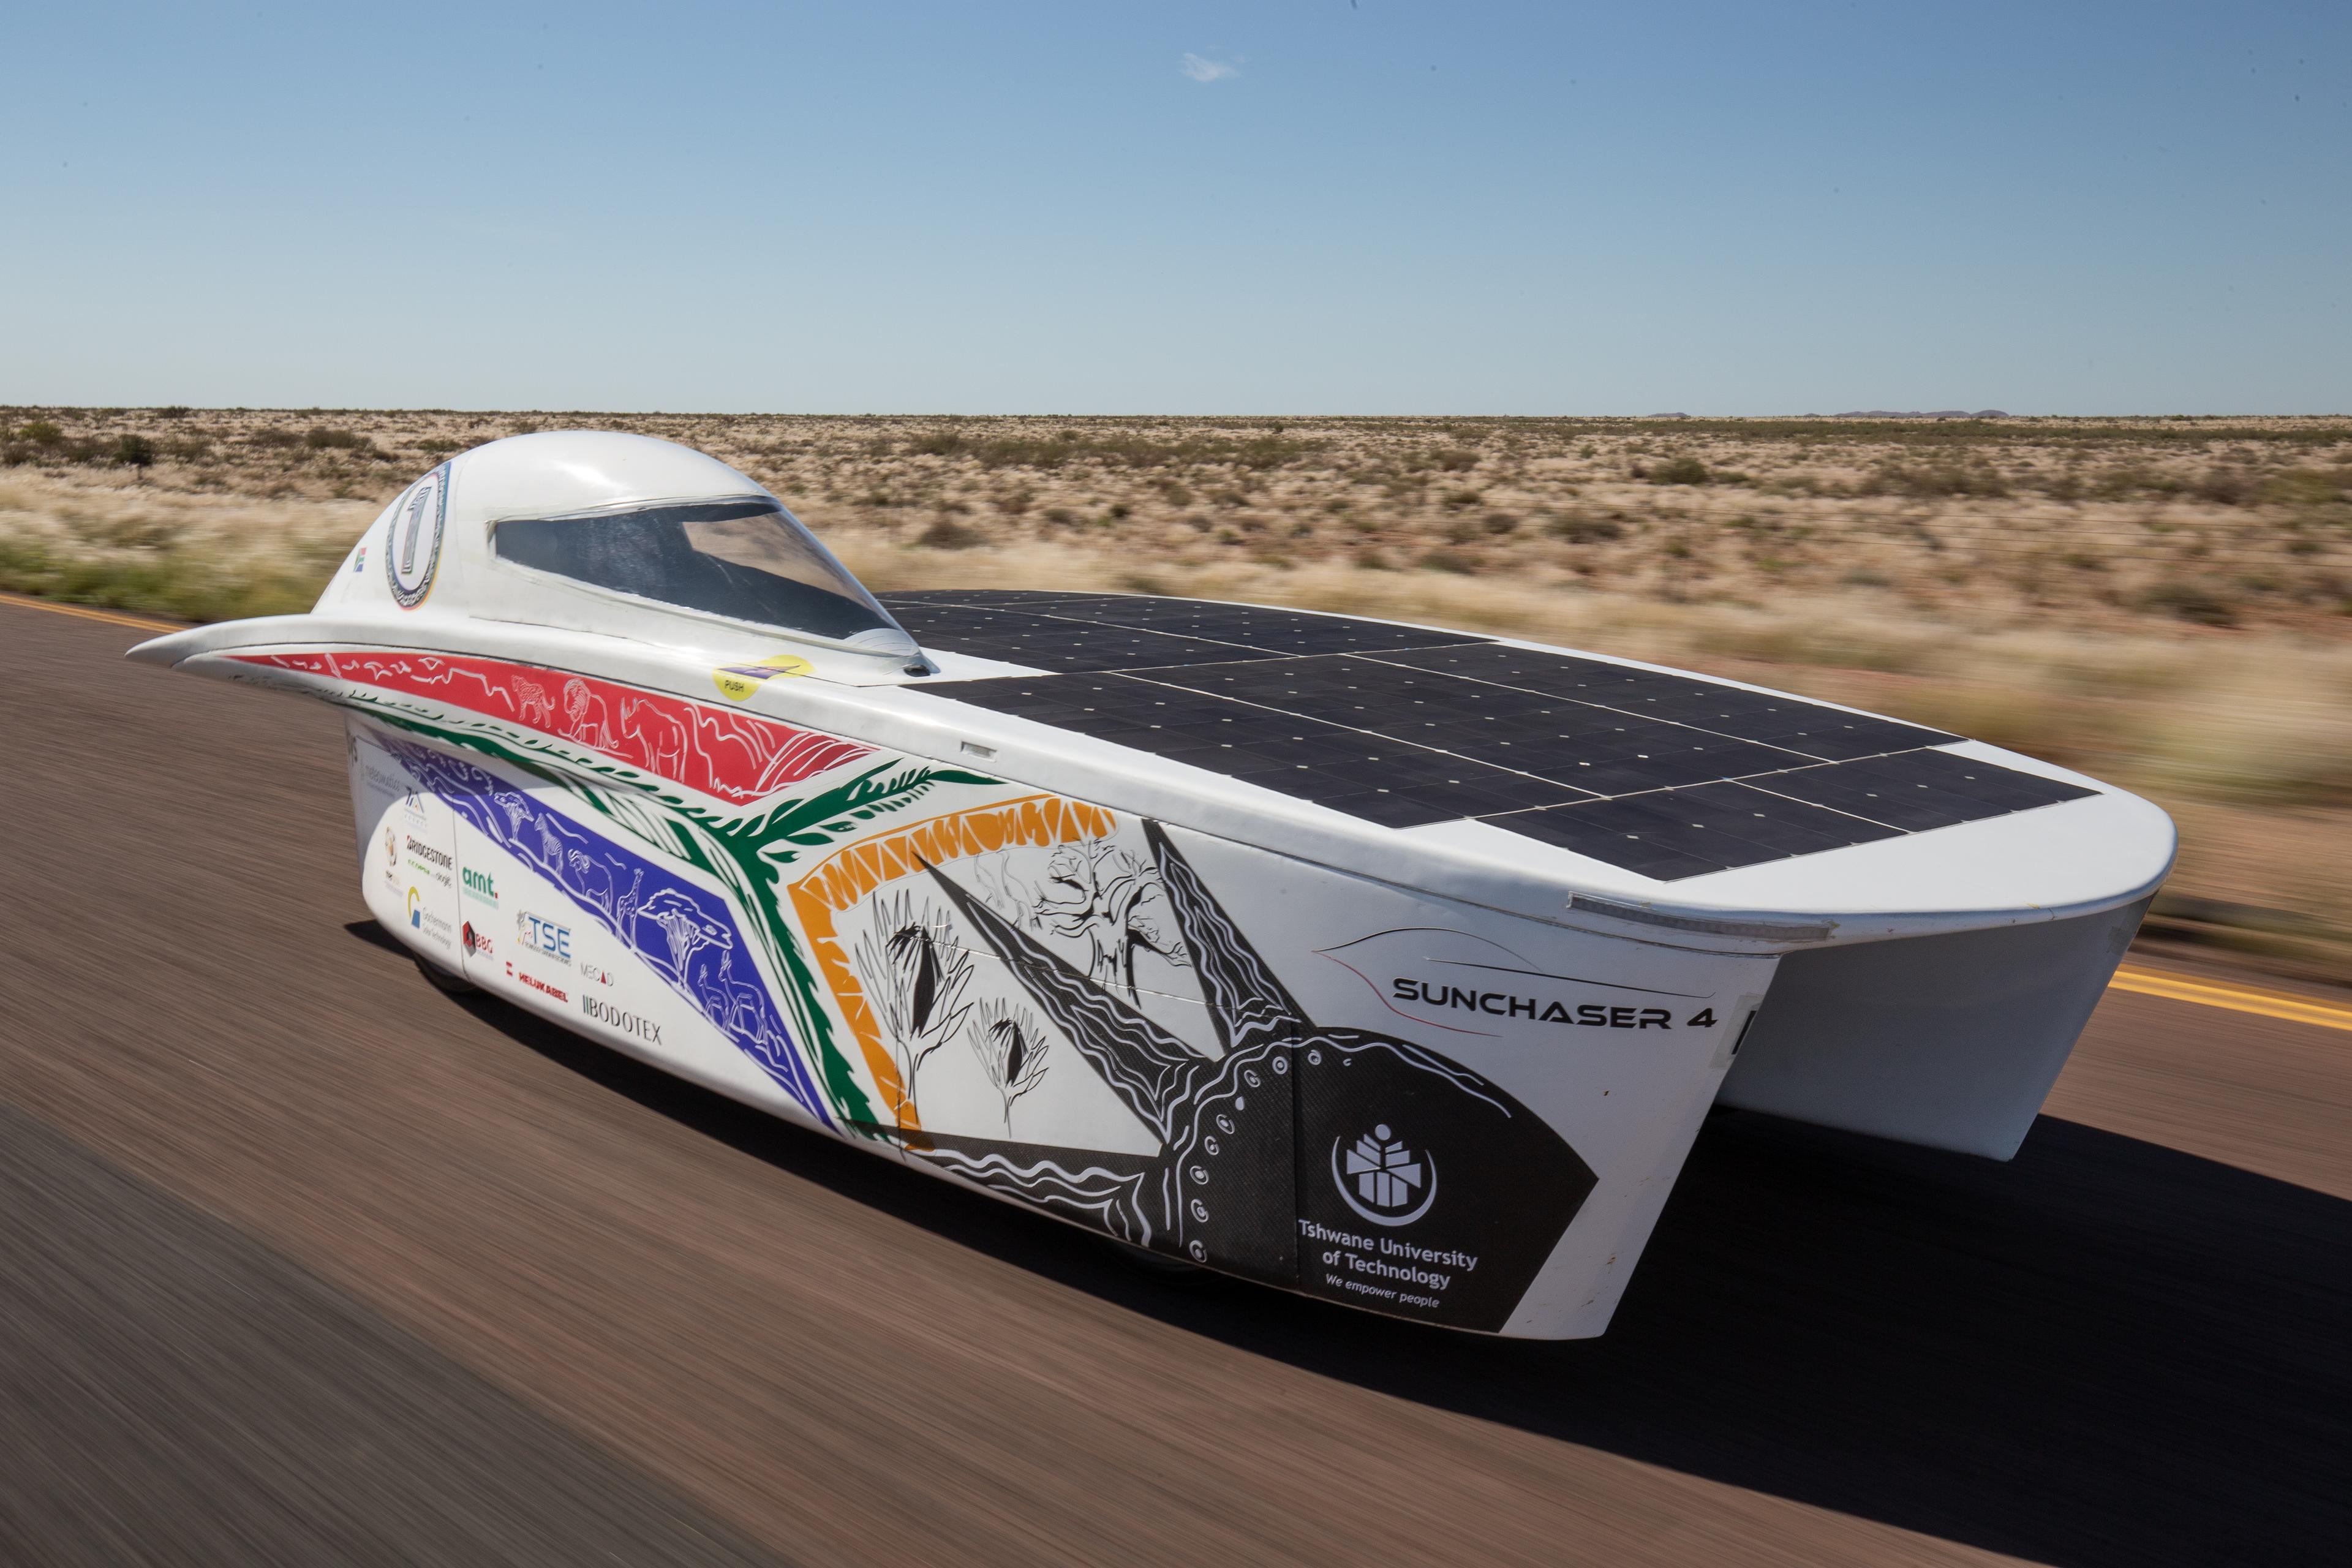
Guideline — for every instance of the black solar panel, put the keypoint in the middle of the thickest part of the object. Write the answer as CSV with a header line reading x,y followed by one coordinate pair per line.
x,y
1915,791
1665,774
1688,832
994,625
1367,775
1828,733
1047,643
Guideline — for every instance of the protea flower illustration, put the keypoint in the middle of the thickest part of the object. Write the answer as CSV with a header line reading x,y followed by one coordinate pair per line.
x,y
1012,1050
915,977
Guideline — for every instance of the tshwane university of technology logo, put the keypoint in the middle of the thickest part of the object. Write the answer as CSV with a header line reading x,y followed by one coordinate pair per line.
x,y
1383,1181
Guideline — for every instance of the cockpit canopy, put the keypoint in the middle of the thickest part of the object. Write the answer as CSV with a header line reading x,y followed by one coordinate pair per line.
x,y
621,535
745,558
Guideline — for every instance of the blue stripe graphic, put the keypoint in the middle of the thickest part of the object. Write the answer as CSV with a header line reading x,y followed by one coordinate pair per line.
x,y
686,935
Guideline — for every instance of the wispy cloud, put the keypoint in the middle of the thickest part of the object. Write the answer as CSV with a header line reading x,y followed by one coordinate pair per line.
x,y
1202,68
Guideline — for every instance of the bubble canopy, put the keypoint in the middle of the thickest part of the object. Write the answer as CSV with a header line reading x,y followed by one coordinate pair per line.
x,y
740,558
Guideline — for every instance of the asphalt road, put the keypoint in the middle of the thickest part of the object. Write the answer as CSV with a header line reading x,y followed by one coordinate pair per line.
x,y
301,1261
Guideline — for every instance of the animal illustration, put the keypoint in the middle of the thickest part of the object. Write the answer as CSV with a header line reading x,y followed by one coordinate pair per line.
x,y
660,736
557,840
533,705
591,882
583,716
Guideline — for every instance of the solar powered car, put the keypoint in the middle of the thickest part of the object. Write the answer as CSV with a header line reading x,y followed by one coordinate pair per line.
x,y
1390,964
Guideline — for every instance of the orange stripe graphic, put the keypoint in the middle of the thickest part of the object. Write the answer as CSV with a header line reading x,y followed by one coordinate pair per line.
x,y
846,876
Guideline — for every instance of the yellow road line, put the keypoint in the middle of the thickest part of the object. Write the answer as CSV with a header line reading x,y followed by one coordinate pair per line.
x,y
2236,998
141,622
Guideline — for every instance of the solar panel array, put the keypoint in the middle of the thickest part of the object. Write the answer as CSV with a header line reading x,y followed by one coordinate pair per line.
x,y
1666,776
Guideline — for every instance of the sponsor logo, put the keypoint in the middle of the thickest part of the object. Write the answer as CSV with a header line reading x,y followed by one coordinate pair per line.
x,y
424,922
601,975
613,1017
475,943
390,848
544,937
542,986
412,547
378,779
737,681
359,560
432,856
479,885
1382,1180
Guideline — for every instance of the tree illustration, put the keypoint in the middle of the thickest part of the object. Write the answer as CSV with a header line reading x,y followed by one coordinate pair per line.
x,y
1099,892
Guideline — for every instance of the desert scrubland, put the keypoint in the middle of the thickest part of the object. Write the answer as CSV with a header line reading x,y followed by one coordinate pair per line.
x,y
2165,602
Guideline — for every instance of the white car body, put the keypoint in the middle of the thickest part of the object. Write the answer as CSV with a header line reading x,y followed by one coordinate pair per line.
x,y
1446,1071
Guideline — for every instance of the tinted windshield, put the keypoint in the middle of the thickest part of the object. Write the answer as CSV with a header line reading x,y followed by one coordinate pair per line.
x,y
746,559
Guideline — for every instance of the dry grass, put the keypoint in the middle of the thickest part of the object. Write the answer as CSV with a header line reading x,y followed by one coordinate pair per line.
x,y
2165,602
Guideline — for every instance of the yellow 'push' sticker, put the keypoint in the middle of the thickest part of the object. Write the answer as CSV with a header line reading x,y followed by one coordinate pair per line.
x,y
737,681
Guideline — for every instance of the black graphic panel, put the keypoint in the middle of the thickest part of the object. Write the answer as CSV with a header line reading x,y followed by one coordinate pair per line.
x,y
1423,1189
1230,1169
1298,1155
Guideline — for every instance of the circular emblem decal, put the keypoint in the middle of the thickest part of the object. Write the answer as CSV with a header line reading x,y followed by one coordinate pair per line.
x,y
1383,1181
413,549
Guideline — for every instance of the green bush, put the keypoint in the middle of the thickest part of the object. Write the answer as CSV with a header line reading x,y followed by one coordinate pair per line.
x,y
2225,487
2191,601
948,534
1933,481
2302,487
1579,529
1683,470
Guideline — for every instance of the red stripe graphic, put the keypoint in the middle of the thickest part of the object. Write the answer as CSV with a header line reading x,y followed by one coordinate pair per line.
x,y
725,753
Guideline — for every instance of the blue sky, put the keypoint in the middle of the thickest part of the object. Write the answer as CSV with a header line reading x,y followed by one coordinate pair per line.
x,y
1037,208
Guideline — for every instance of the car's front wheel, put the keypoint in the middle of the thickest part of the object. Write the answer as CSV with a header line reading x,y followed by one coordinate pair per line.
x,y
446,980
